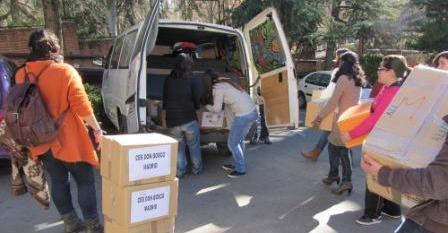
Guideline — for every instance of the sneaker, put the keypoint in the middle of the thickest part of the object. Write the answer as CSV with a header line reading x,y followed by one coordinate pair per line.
x,y
235,174
391,215
228,167
368,221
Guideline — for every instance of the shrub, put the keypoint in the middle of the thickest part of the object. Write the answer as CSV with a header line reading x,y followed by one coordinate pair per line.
x,y
370,63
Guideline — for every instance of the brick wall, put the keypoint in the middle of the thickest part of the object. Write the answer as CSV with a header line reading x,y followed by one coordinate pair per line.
x,y
14,43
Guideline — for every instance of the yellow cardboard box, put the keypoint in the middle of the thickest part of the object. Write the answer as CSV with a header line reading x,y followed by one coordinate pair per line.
x,y
165,225
134,205
313,109
133,159
411,131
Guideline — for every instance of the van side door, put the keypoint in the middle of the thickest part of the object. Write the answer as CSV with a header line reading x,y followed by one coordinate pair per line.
x,y
271,61
136,86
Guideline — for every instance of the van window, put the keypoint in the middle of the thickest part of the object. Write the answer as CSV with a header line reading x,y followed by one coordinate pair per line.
x,y
266,47
116,53
128,45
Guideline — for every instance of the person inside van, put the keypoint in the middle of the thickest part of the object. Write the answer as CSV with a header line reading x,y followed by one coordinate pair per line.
x,y
392,71
235,99
261,134
181,99
349,79
61,89
323,140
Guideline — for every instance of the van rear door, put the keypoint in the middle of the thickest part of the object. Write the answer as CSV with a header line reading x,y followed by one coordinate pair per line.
x,y
136,99
272,62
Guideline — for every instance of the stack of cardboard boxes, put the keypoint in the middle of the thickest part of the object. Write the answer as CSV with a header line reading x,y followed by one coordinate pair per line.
x,y
139,184
411,132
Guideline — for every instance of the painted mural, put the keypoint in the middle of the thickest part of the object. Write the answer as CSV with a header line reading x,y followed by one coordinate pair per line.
x,y
266,47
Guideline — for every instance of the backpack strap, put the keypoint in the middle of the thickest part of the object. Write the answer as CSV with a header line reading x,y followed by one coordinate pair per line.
x,y
36,77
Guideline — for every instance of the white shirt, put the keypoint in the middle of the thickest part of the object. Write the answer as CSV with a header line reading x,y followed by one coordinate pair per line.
x,y
239,102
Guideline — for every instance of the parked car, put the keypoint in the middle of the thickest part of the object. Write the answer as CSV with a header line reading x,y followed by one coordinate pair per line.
x,y
141,59
318,80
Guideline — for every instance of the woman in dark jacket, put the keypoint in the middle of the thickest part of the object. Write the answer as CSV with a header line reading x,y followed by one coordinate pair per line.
x,y
180,101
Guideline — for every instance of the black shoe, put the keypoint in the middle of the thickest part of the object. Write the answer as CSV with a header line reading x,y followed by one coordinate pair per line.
x,y
329,180
267,141
72,223
364,220
235,174
94,226
228,167
345,186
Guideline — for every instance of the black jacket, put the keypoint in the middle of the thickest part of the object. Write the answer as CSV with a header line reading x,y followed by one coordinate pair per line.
x,y
181,99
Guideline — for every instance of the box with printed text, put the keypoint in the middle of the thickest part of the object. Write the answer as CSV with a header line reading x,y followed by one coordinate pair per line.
x,y
134,159
134,205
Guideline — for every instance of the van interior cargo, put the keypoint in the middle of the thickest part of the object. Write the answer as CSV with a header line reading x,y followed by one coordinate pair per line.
x,y
217,51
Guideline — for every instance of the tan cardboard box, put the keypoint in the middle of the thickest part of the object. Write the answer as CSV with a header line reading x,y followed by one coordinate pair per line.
x,y
134,205
165,225
211,120
313,109
133,159
411,131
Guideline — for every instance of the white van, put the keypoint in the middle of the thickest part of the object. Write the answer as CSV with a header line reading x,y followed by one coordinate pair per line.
x,y
140,60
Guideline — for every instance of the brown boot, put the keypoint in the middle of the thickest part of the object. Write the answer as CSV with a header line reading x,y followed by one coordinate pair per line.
x,y
313,154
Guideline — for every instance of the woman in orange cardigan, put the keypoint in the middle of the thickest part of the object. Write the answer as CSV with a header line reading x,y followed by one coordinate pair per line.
x,y
72,152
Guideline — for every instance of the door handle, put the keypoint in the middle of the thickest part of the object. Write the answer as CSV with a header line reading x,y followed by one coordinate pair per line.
x,y
305,86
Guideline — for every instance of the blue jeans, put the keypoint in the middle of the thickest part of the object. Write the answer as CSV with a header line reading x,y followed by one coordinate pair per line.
x,y
323,140
188,134
409,226
60,187
238,131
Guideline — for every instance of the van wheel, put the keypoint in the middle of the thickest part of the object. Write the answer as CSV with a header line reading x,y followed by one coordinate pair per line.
x,y
302,100
223,150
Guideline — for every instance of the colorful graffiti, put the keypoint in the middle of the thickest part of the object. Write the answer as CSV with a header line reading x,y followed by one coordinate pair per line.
x,y
266,47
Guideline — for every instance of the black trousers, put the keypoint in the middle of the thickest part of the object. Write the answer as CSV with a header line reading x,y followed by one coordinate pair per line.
x,y
374,205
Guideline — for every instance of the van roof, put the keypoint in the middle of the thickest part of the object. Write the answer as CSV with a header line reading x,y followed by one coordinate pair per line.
x,y
181,23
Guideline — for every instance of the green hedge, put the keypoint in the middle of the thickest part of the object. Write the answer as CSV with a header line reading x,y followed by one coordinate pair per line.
x,y
370,63
96,100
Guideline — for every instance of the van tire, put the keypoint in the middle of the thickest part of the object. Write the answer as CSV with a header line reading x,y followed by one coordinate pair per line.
x,y
223,150
302,100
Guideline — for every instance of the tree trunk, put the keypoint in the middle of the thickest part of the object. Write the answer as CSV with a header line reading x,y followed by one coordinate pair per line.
x,y
53,20
331,48
112,18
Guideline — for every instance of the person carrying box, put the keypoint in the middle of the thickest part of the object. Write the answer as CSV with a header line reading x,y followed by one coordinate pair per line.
x,y
391,72
431,183
349,79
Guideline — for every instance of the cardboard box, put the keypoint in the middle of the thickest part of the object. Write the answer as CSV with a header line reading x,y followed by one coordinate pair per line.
x,y
165,225
134,159
411,131
313,109
351,118
134,205
211,120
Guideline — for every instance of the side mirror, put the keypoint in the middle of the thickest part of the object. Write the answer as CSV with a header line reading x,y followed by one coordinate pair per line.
x,y
98,61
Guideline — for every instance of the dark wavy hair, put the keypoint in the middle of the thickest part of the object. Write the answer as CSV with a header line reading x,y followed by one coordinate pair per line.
x,y
184,66
44,46
398,64
350,66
